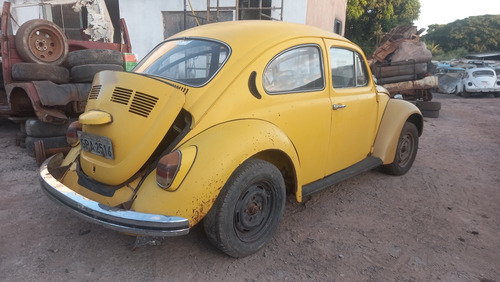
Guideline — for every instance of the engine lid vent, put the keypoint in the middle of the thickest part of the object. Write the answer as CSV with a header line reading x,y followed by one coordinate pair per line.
x,y
121,95
142,104
94,92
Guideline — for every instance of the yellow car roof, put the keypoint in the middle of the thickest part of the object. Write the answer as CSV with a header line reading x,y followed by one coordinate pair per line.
x,y
240,32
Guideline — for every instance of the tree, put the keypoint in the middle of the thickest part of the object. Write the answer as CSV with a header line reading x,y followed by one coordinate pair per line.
x,y
368,20
475,34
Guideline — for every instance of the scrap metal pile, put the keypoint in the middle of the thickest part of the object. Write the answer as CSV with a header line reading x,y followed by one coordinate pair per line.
x,y
402,64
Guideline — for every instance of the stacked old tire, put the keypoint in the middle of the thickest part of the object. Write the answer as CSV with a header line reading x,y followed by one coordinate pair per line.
x,y
44,49
84,64
45,139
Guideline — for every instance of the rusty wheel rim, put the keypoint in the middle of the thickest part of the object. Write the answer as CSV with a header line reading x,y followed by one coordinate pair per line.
x,y
254,211
405,150
45,44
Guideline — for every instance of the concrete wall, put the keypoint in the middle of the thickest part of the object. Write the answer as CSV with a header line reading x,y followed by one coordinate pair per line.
x,y
323,13
145,19
295,11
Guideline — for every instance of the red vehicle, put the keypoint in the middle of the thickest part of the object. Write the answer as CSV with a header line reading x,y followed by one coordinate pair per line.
x,y
51,100
47,76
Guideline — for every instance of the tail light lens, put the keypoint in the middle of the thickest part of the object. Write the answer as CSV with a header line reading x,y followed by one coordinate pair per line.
x,y
167,169
72,133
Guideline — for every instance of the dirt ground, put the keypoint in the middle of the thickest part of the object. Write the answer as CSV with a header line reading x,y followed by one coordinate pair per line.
x,y
439,222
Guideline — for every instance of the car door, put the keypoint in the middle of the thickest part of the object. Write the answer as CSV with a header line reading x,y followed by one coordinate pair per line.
x,y
353,107
295,91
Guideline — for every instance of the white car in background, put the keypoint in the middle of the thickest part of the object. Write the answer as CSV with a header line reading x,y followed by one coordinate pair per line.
x,y
481,81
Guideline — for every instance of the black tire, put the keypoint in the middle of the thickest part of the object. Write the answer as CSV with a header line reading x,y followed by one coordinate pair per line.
x,y
95,56
41,41
85,73
34,71
406,151
428,105
48,142
38,128
496,94
430,114
429,109
248,209
466,94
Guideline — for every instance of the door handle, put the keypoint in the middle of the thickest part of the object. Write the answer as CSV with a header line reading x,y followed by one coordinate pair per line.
x,y
336,107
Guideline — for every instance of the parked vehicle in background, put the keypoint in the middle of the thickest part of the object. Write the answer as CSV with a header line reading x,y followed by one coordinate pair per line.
x,y
218,123
449,78
481,81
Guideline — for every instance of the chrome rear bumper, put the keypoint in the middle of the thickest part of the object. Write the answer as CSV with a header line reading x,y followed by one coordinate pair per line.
x,y
127,221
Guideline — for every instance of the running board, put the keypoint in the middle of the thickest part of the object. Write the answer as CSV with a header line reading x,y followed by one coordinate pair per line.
x,y
363,166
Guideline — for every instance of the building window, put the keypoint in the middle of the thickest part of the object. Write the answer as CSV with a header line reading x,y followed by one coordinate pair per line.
x,y
338,27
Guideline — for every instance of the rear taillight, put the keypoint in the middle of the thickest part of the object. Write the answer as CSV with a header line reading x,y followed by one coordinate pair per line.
x,y
167,169
72,133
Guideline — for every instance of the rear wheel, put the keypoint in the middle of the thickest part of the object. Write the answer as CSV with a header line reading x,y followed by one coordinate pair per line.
x,y
406,151
248,210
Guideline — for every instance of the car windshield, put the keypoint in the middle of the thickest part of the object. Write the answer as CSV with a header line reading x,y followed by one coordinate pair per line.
x,y
189,61
483,73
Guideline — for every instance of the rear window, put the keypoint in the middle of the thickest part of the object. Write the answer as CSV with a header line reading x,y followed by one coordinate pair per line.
x,y
189,61
483,73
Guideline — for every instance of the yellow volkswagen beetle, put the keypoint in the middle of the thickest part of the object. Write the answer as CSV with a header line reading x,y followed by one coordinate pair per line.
x,y
219,123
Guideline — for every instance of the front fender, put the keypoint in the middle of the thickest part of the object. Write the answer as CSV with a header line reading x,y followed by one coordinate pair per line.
x,y
396,113
220,150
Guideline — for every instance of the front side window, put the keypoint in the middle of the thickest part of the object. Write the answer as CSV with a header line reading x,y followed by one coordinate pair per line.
x,y
348,68
189,61
295,70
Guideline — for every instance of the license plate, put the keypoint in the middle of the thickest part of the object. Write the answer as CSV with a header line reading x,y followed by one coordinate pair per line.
x,y
98,145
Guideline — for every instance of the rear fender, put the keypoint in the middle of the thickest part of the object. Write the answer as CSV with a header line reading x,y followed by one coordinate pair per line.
x,y
219,151
396,113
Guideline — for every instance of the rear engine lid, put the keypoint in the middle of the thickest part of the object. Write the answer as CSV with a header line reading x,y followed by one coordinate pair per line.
x,y
141,111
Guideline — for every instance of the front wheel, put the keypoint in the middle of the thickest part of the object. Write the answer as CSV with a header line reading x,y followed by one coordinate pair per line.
x,y
248,210
406,151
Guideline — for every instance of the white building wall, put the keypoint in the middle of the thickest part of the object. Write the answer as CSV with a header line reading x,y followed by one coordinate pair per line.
x,y
295,11
145,20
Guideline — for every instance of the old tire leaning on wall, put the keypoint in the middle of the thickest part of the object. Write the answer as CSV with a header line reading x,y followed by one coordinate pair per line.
x,y
95,56
429,109
85,73
34,71
41,41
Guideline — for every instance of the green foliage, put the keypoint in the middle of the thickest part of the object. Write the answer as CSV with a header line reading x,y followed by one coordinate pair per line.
x,y
368,20
440,55
475,34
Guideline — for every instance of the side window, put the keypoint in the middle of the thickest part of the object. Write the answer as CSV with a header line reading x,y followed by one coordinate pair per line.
x,y
361,73
295,70
348,68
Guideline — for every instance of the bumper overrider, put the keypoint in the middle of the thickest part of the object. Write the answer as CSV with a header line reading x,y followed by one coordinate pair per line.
x,y
127,221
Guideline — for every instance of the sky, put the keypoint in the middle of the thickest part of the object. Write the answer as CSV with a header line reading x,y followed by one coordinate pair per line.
x,y
447,11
